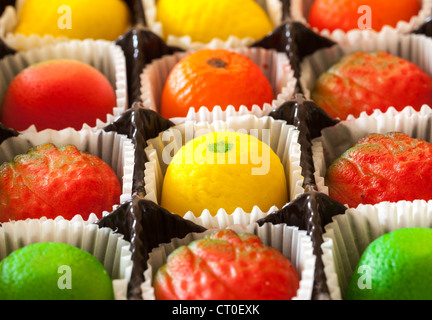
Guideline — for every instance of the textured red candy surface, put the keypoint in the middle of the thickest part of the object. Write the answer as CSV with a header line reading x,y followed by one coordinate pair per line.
x,y
391,167
50,182
363,82
226,266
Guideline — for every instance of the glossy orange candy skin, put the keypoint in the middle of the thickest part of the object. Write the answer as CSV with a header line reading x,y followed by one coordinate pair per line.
x,y
344,14
226,266
391,167
50,182
232,79
364,82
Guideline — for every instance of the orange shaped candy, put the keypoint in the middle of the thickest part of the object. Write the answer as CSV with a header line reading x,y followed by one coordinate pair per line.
x,y
226,266
214,77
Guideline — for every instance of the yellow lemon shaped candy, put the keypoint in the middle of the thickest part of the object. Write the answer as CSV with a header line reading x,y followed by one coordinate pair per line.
x,y
226,170
204,20
74,19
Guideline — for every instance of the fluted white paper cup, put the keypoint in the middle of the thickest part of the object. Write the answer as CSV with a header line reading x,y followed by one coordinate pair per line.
x,y
103,243
281,137
293,243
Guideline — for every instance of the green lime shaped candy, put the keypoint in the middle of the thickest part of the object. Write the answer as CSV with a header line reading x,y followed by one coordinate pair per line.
x,y
395,266
53,271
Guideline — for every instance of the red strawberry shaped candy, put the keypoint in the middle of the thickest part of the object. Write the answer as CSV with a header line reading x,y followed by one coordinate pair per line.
x,y
367,81
226,266
391,167
50,182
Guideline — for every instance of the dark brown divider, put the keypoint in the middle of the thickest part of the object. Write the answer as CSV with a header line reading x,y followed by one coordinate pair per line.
x,y
139,125
140,47
4,49
296,41
6,133
145,225
6,3
312,210
425,28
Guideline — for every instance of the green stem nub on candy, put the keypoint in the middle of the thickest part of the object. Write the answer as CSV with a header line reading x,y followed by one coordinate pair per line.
x,y
220,147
